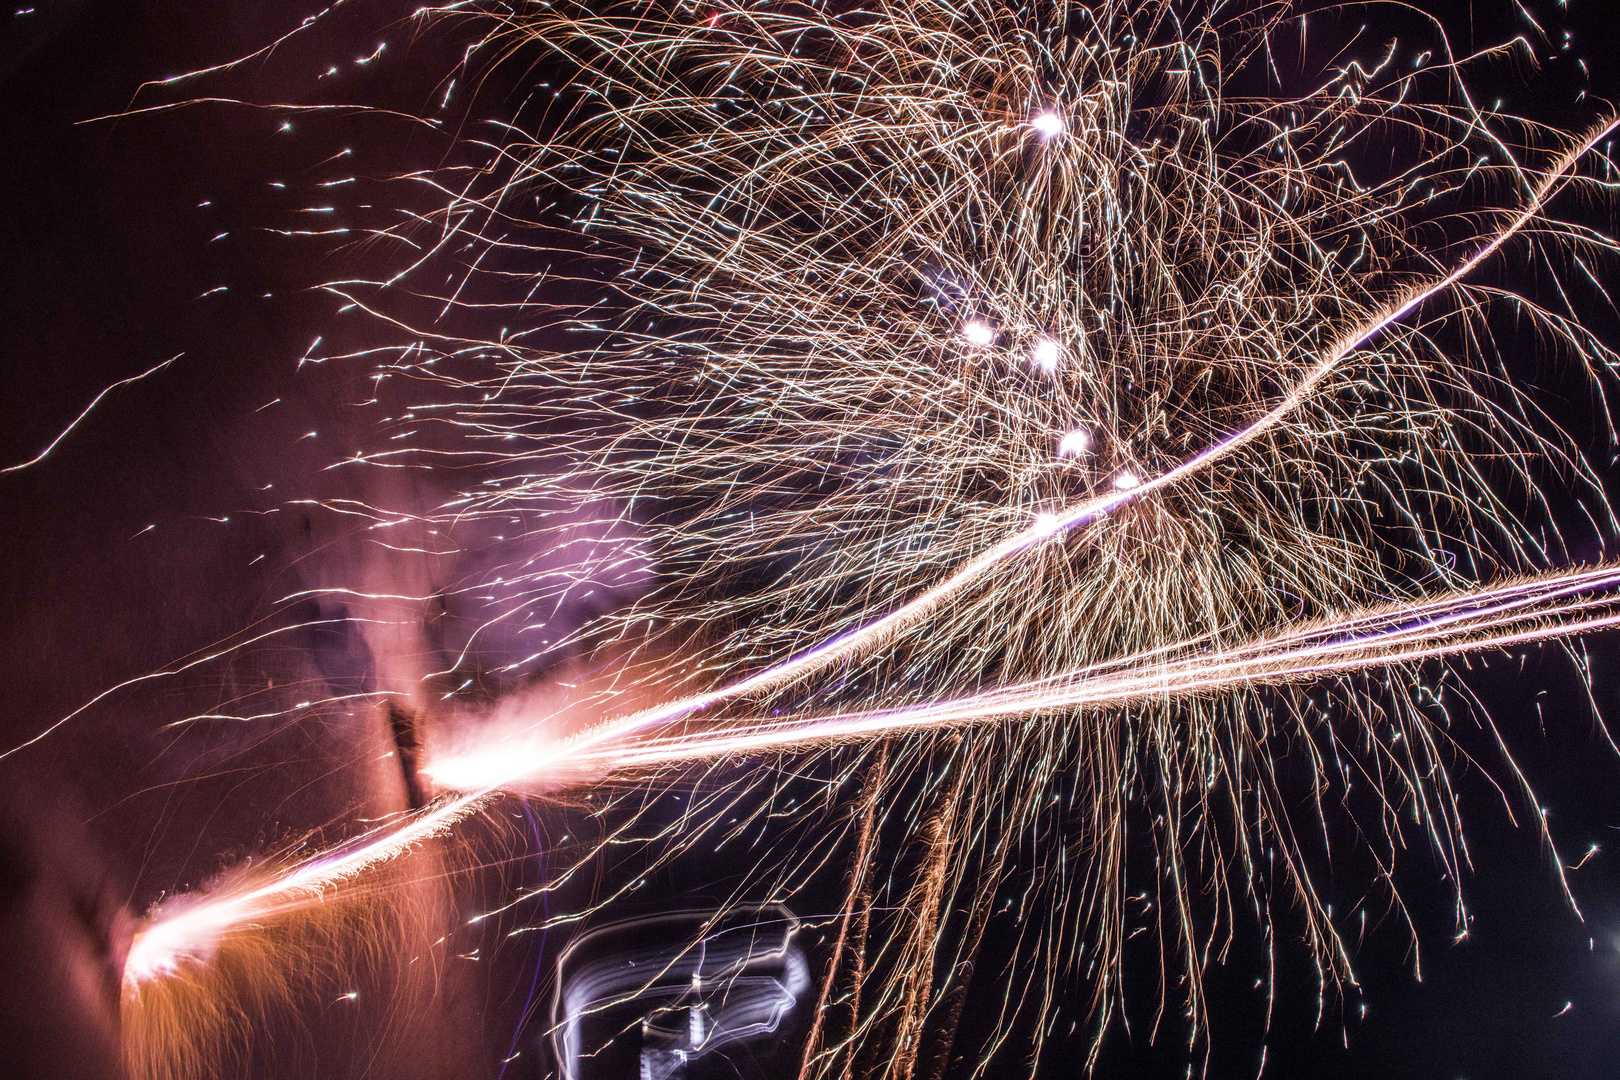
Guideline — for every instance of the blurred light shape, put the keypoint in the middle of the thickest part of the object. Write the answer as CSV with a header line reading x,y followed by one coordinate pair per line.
x,y
1076,443
1047,354
978,332
1048,123
701,980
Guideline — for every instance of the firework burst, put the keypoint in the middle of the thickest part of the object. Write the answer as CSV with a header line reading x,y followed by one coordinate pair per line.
x,y
957,361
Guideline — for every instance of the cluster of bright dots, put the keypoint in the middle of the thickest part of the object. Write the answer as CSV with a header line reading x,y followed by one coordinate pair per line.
x,y
1046,353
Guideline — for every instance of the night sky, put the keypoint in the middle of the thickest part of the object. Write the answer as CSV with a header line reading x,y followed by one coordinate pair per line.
x,y
146,537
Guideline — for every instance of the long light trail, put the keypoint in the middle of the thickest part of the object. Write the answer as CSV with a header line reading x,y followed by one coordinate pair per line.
x,y
191,929
188,928
897,300
873,633
1517,613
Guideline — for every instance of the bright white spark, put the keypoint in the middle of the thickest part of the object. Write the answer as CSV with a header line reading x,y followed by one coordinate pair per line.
x,y
1076,443
978,332
1047,353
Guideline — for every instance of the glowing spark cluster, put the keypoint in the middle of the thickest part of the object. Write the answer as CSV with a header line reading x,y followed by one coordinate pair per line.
x,y
957,362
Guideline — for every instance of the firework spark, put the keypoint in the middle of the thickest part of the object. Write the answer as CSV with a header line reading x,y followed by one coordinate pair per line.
x,y
1516,613
190,930
1023,364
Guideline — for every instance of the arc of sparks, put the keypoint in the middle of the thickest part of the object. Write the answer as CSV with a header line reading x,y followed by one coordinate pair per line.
x,y
190,930
1468,622
187,930
77,420
867,636
1515,613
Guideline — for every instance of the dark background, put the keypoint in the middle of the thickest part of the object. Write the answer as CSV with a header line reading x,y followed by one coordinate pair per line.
x,y
106,268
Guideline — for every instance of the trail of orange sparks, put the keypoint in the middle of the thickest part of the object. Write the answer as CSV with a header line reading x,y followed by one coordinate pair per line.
x,y
183,931
189,930
1517,613
874,633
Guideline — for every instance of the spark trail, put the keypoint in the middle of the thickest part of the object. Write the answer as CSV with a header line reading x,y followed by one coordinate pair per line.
x,y
984,346
873,633
162,943
1515,613
190,928
1521,613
